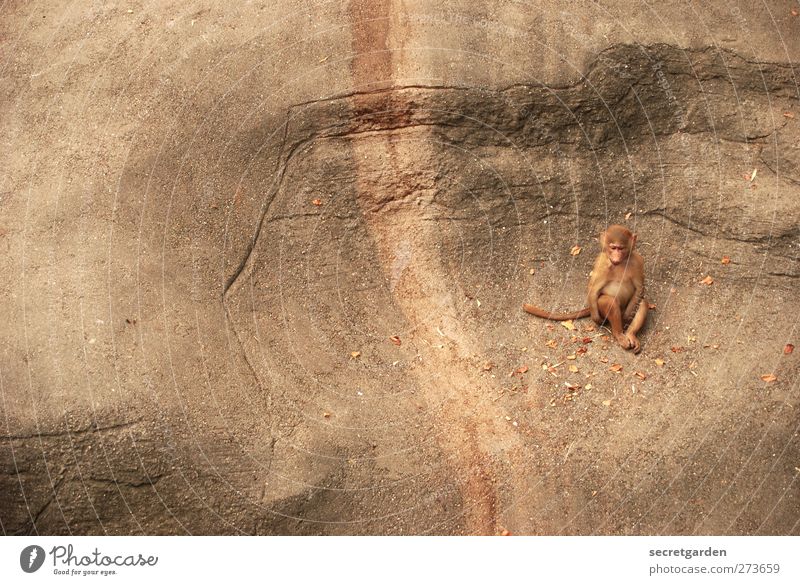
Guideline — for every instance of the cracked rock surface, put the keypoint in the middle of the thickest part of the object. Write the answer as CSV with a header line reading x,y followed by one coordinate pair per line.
x,y
265,267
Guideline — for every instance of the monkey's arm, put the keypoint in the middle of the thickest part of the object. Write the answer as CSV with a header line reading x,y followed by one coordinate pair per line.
x,y
598,280
637,279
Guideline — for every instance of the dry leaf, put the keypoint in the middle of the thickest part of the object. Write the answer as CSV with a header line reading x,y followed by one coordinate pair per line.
x,y
753,175
640,375
521,370
572,357
581,350
725,260
676,349
568,325
586,340
505,532
355,354
326,414
573,368
708,281
659,362
615,367
487,366
606,403
575,250
628,215
552,344
604,360
769,377
317,202
395,339
794,12
788,349
532,271
588,387
788,115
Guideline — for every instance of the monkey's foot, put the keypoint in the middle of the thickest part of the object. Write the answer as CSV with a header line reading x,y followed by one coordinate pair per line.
x,y
624,341
634,342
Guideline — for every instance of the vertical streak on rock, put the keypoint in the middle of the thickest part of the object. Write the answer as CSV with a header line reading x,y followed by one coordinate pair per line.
x,y
394,177
372,63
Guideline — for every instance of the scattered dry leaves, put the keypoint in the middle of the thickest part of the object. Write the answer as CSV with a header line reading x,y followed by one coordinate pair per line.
x,y
326,414
575,250
659,362
789,348
628,215
568,325
317,202
788,115
640,375
604,360
521,370
769,377
676,349
488,366
552,344
572,357
708,281
753,175
725,260
395,339
573,368
606,403
615,368
581,350
355,354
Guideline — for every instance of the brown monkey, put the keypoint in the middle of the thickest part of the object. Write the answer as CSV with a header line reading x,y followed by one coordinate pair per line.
x,y
616,287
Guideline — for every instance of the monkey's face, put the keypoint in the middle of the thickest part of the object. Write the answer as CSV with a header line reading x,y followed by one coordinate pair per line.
x,y
617,253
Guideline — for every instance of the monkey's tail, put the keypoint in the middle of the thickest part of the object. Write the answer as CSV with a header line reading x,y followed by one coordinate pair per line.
x,y
556,316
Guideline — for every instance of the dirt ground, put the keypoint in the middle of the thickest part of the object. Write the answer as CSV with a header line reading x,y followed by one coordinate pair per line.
x,y
265,261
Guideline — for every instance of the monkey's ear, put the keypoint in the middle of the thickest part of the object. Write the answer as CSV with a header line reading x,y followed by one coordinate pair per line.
x,y
602,239
633,240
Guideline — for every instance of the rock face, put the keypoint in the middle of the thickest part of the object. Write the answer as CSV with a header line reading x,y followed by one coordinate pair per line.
x,y
266,269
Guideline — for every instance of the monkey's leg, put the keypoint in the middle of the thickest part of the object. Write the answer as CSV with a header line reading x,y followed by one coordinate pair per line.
x,y
610,311
636,324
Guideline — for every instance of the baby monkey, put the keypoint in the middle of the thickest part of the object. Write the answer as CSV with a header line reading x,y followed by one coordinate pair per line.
x,y
616,286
